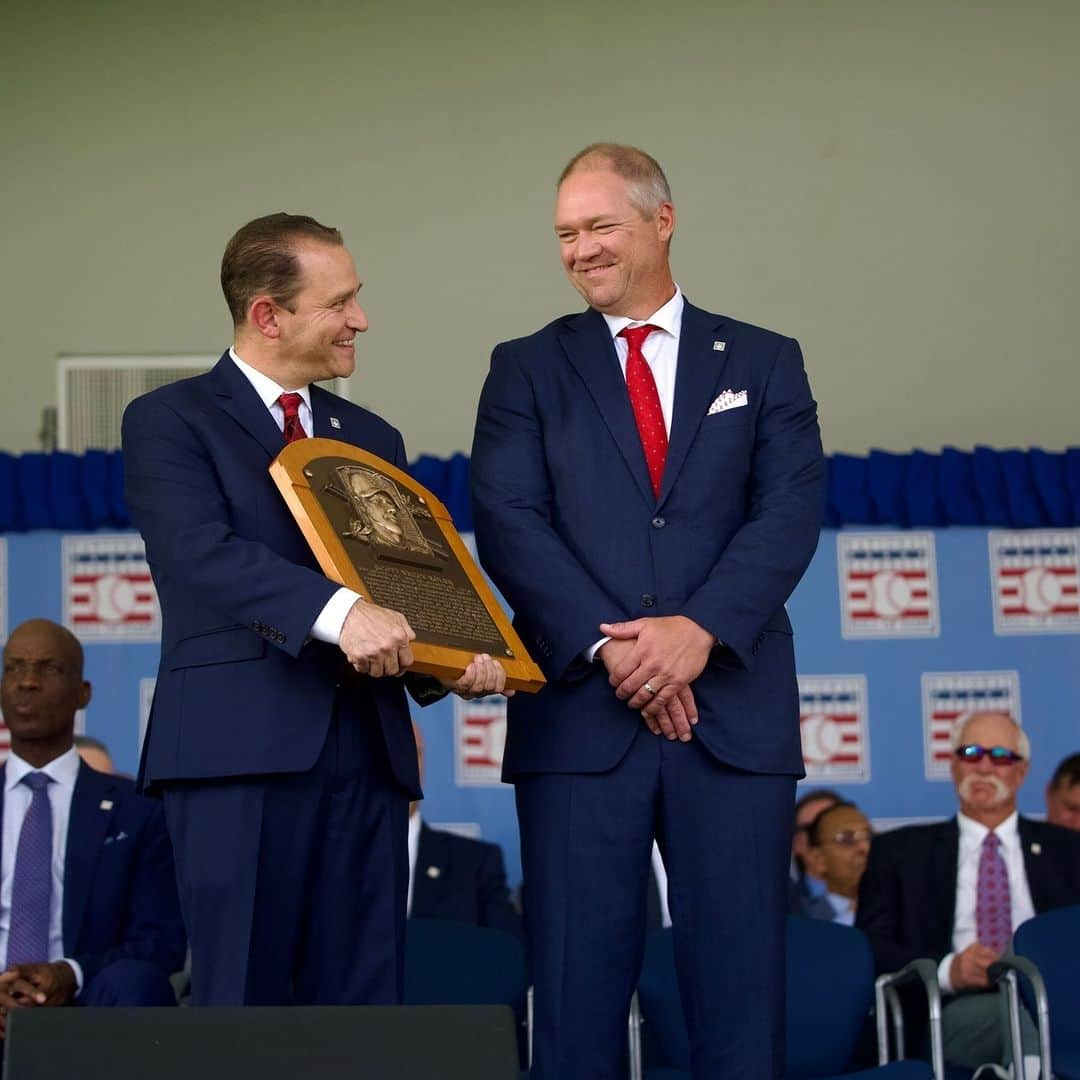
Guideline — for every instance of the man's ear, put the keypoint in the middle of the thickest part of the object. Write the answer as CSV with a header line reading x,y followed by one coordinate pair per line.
x,y
263,315
84,694
815,861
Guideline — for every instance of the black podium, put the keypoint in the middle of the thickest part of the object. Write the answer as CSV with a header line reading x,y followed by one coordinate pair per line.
x,y
409,1042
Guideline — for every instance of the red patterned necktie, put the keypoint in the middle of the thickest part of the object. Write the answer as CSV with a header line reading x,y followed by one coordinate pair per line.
x,y
993,906
290,406
645,401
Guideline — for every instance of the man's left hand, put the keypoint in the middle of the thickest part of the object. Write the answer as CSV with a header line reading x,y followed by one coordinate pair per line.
x,y
670,652
28,985
482,677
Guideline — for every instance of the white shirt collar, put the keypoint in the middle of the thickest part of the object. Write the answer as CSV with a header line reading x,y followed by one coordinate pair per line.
x,y
974,832
63,769
265,387
667,318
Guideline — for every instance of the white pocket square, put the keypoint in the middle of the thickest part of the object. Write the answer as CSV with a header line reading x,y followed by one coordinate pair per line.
x,y
729,399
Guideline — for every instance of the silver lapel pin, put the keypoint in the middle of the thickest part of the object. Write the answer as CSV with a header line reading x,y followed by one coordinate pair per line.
x,y
105,804
335,422
719,346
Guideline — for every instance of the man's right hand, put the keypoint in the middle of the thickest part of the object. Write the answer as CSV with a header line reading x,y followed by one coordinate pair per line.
x,y
673,722
968,969
375,640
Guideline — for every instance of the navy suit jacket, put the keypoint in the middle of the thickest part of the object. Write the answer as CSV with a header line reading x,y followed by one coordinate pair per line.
x,y
469,883
907,896
568,527
241,689
120,897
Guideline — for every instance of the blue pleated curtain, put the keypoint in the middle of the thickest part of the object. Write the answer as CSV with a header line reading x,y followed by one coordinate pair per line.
x,y
1023,489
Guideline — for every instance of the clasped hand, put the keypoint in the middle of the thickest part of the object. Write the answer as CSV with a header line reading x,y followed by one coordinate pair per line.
x,y
376,642
651,663
25,986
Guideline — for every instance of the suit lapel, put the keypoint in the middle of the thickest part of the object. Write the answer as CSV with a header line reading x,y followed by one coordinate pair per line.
x,y
696,377
1040,884
87,825
238,398
945,860
590,350
321,428
430,852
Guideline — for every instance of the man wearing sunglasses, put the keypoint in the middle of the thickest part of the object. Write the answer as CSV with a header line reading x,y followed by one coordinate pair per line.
x,y
956,890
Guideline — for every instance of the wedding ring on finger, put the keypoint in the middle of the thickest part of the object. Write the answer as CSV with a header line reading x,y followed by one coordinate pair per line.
x,y
648,689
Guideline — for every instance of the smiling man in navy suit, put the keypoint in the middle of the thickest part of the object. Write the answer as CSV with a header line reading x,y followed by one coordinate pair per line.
x,y
648,486
278,735
88,906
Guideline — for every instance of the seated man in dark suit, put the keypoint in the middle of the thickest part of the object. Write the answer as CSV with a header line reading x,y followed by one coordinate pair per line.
x,y
1063,794
957,890
839,847
455,877
806,893
88,908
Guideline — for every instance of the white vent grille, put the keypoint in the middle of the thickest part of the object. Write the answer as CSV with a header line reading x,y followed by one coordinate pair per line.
x,y
93,391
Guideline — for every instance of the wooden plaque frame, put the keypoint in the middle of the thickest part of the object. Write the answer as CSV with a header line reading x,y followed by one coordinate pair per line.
x,y
323,479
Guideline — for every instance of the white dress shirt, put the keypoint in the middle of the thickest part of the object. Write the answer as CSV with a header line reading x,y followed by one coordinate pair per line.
x,y
843,908
660,348
972,834
17,796
661,352
414,851
328,623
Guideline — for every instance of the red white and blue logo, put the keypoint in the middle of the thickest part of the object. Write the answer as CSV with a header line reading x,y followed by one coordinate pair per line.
x,y
948,695
108,592
834,728
1036,581
479,737
888,584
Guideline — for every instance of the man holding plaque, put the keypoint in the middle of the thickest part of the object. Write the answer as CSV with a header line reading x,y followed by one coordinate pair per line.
x,y
278,736
648,487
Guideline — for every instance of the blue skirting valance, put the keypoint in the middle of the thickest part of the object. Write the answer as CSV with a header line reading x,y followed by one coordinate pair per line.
x,y
1022,489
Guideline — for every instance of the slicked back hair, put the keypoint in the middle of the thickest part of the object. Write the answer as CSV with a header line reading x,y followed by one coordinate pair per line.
x,y
647,185
260,259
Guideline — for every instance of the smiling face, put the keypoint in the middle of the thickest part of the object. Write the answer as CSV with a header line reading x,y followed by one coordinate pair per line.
x,y
987,791
315,333
41,689
615,255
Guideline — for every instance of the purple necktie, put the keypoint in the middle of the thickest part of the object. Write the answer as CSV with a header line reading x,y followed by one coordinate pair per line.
x,y
993,906
31,887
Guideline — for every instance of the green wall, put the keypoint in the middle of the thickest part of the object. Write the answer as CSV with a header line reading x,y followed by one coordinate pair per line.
x,y
894,184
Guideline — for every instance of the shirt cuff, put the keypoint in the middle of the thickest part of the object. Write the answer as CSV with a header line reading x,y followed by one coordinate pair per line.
x,y
77,968
943,970
327,627
592,650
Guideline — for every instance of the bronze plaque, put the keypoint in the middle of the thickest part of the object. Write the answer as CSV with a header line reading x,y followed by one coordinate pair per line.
x,y
376,530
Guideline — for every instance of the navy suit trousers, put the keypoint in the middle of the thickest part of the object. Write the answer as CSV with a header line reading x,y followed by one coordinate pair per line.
x,y
283,878
586,840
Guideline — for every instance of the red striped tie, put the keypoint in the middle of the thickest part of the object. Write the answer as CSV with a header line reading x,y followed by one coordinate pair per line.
x,y
290,406
645,401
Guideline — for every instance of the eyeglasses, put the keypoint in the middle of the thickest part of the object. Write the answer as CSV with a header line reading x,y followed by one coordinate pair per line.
x,y
850,837
999,755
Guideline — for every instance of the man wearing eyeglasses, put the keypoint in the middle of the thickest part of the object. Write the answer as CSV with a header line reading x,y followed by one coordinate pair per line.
x,y
956,890
838,845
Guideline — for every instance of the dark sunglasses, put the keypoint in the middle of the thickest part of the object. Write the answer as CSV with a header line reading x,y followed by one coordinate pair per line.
x,y
999,755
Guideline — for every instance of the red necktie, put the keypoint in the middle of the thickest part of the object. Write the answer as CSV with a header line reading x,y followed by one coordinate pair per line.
x,y
645,402
290,406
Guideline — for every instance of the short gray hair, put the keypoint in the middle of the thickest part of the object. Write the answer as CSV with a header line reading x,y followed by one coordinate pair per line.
x,y
956,736
647,185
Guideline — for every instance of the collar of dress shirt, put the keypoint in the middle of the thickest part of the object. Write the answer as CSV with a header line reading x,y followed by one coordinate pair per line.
x,y
62,769
414,836
265,387
668,318
972,833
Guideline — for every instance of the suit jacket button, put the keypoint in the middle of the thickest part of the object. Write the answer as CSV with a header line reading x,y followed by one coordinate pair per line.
x,y
658,522
648,600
